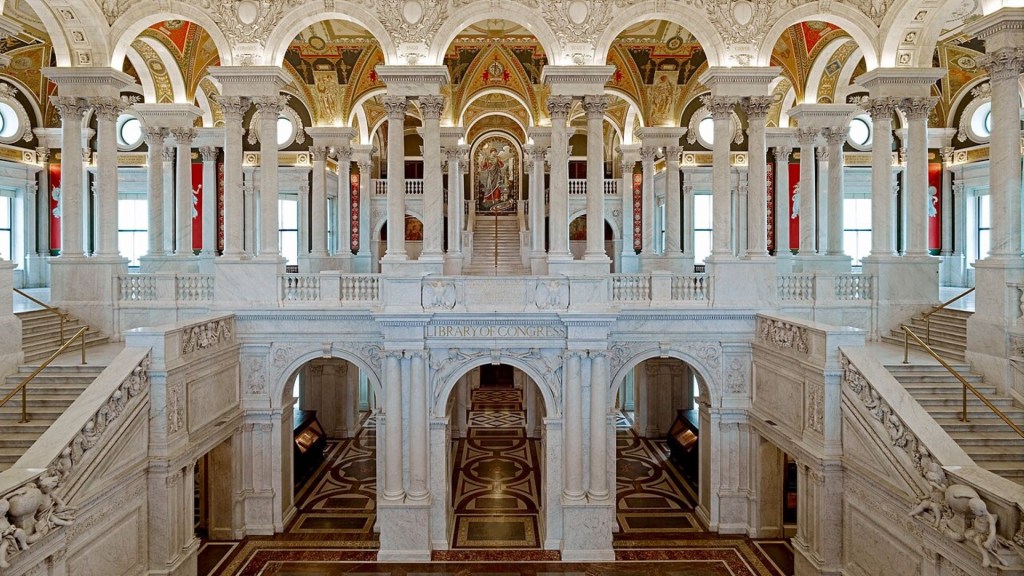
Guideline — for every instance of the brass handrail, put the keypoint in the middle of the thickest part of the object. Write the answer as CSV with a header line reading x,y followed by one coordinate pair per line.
x,y
908,333
62,315
927,316
23,387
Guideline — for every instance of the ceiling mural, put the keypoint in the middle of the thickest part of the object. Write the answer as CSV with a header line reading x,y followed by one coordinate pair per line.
x,y
191,47
797,48
828,84
163,88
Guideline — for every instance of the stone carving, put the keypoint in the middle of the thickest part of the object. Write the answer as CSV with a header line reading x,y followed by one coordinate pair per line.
x,y
256,376
736,381
815,407
552,360
246,21
578,21
175,407
372,354
552,295
739,26
11,536
936,501
411,21
782,334
622,353
206,335
966,519
438,295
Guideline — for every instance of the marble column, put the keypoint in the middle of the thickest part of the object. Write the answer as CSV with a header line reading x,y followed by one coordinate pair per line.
x,y
917,111
535,155
626,164
168,197
883,217
573,442
960,220
234,108
1004,68
433,193
648,201
673,201
393,489
396,106
418,431
721,114
598,425
209,154
834,140
344,205
595,107
806,138
756,108
688,218
452,156
155,180
946,248
319,203
43,203
558,203
269,107
782,215
107,110
73,196
365,165
183,192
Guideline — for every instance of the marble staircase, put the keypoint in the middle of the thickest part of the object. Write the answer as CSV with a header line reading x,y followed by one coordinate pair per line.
x,y
52,390
948,333
495,235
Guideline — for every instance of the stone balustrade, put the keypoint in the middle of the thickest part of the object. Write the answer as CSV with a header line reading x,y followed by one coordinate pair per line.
x,y
578,187
819,287
165,286
413,186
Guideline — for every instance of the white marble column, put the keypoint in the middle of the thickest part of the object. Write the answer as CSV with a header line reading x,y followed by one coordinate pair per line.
x,y
453,157
433,194
960,220
155,180
365,226
393,489
418,431
806,138
688,218
673,202
558,210
209,214
821,198
269,107
917,111
573,415
946,248
598,425
648,201
782,215
183,192
234,108
43,203
396,107
626,164
535,155
344,206
72,198
721,114
595,107
318,154
757,176
107,110
834,140
883,217
1004,68
168,197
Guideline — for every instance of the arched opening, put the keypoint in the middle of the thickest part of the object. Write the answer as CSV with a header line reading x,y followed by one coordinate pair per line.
x,y
497,447
578,238
329,470
413,239
663,435
214,519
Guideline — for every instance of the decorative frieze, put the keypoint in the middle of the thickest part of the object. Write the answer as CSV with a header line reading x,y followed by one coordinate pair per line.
x,y
207,335
782,335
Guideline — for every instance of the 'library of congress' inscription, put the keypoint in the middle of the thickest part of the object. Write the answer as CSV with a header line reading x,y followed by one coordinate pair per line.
x,y
495,332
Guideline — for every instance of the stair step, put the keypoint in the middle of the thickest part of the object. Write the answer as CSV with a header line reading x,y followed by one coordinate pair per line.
x,y
941,402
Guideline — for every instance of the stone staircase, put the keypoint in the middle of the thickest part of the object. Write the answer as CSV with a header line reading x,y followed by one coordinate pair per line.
x,y
486,241
985,437
948,333
54,389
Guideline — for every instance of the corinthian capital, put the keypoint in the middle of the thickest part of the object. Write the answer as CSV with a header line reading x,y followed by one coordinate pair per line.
x,y
834,136
69,106
806,136
719,106
234,107
1003,64
757,106
558,107
431,106
183,136
880,108
595,106
918,108
108,108
395,106
270,104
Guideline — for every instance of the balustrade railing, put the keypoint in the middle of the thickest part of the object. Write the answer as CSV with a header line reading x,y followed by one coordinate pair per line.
x,y
691,287
853,287
631,287
300,287
360,288
413,186
795,287
195,287
165,287
611,187
136,288
578,186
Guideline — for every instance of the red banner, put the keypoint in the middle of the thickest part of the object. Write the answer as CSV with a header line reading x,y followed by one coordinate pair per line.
x,y
935,208
197,205
353,195
638,213
770,213
220,207
794,205
54,192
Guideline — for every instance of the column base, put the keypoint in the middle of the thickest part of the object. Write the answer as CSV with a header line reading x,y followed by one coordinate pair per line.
x,y
829,264
590,536
247,283
86,288
784,262
361,263
169,263
581,267
453,264
316,263
539,264
403,533
411,267
629,263
558,263
742,283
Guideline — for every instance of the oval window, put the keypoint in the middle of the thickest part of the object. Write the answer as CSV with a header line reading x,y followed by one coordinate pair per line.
x,y
9,123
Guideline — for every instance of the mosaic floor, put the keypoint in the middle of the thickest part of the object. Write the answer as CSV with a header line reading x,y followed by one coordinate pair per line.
x,y
495,494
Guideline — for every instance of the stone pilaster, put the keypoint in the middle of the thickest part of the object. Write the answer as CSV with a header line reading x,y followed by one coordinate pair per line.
x,y
72,198
234,108
807,137
834,138
648,204
629,154
155,184
917,111
209,211
783,254
183,192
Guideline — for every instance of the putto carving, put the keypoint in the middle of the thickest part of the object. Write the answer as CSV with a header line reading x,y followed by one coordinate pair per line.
x,y
782,334
206,335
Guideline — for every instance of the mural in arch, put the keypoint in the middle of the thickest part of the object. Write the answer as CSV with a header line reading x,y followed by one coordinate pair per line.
x,y
496,169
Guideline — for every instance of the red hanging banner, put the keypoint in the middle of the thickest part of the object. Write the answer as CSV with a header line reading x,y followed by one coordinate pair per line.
x,y
54,193
770,213
794,205
197,205
638,213
935,208
220,207
353,195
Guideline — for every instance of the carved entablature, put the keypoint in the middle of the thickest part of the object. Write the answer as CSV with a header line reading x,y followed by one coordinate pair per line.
x,y
782,335
206,335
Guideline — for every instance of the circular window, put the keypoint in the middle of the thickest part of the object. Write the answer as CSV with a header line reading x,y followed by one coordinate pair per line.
x,y
706,132
9,122
129,131
860,132
285,131
981,121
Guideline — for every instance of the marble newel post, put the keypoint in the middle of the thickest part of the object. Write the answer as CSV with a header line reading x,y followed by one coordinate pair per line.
x,y
917,111
721,227
71,199
234,108
807,210
433,193
183,192
269,107
107,110
155,186
209,154
756,108
558,201
595,107
396,107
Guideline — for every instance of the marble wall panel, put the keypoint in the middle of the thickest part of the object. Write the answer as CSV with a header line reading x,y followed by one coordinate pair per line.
x,y
117,548
211,395
779,397
870,549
